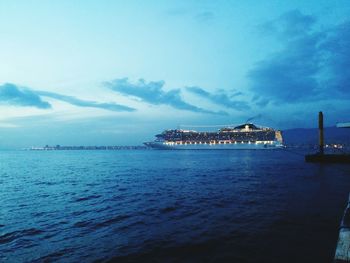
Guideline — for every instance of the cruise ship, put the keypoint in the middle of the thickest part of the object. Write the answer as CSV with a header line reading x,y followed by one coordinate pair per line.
x,y
245,136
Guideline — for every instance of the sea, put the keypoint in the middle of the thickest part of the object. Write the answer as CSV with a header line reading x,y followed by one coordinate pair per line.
x,y
169,206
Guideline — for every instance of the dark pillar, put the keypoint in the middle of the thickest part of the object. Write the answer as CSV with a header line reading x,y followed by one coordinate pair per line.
x,y
320,127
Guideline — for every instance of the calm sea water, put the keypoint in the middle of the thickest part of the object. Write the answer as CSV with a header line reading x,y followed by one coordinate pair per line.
x,y
169,206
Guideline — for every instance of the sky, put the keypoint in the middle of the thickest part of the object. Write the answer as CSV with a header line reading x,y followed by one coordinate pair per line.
x,y
119,72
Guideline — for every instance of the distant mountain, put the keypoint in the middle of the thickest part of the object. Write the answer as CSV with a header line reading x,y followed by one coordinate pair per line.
x,y
310,136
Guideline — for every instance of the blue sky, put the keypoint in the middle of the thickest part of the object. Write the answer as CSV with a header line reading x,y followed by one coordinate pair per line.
x,y
117,72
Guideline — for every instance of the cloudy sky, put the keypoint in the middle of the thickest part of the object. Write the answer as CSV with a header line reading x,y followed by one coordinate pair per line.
x,y
118,72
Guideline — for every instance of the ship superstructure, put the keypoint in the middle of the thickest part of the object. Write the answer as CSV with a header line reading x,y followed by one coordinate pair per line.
x,y
245,136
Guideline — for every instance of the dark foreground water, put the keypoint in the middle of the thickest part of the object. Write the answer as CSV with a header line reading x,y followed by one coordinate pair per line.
x,y
169,206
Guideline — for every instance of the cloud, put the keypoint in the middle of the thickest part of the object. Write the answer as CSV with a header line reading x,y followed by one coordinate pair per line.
x,y
202,16
220,98
84,103
336,49
19,96
8,125
152,92
313,64
289,75
290,24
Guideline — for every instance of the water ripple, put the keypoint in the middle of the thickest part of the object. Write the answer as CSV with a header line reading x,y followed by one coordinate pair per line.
x,y
86,198
9,237
167,206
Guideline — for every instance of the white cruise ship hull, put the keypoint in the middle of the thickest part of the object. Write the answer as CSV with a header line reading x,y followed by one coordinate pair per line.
x,y
228,146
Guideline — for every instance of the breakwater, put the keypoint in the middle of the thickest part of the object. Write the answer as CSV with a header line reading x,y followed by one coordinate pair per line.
x,y
342,253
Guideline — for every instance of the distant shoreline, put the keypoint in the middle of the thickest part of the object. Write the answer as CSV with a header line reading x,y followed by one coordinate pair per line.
x,y
64,148
328,147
